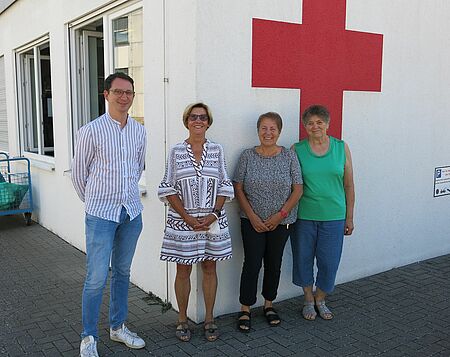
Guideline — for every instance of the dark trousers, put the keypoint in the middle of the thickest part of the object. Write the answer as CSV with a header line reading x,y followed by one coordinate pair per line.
x,y
267,246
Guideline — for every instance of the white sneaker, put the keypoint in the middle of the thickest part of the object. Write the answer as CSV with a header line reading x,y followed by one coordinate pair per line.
x,y
88,347
131,339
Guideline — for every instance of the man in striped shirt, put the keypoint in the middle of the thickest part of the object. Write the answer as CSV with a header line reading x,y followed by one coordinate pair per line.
x,y
107,165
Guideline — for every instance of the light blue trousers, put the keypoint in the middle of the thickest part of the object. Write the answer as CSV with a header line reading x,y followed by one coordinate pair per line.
x,y
108,241
319,240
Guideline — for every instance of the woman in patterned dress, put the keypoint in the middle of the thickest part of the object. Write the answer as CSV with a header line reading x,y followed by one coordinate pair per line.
x,y
196,186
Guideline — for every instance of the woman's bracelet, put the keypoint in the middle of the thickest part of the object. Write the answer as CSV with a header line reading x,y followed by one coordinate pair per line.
x,y
283,213
215,215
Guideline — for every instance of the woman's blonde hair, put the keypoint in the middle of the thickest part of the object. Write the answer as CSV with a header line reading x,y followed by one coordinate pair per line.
x,y
188,111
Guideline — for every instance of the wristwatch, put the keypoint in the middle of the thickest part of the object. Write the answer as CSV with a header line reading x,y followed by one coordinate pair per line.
x,y
218,212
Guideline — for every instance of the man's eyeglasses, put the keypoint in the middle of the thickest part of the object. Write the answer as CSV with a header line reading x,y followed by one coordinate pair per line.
x,y
202,117
120,92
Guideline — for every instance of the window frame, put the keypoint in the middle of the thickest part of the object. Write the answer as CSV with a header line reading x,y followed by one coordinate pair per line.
x,y
4,109
108,30
77,79
24,99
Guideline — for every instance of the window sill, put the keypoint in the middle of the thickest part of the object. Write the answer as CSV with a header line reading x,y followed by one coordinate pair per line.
x,y
42,162
43,165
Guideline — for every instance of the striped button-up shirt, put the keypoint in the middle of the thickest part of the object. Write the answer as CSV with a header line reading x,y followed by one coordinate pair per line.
x,y
107,166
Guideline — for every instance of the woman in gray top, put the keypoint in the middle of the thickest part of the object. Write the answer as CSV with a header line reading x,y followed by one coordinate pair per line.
x,y
268,185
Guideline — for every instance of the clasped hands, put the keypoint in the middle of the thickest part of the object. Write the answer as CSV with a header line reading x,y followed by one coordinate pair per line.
x,y
200,223
270,224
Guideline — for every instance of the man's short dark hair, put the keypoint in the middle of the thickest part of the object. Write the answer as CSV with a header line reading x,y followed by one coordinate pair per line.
x,y
111,77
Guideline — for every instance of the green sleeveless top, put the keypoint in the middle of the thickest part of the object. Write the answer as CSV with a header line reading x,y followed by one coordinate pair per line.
x,y
323,182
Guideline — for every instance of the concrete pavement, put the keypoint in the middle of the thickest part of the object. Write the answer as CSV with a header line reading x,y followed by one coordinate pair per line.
x,y
402,312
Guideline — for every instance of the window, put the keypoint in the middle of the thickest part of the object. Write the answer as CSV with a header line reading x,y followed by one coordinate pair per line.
x,y
120,31
108,43
128,56
35,99
4,146
88,74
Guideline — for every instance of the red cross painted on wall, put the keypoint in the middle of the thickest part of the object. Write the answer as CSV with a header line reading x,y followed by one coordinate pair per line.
x,y
320,57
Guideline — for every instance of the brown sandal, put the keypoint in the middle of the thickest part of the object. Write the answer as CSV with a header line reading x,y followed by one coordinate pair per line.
x,y
182,332
211,331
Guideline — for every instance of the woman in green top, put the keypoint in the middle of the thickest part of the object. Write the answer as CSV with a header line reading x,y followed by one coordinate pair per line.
x,y
325,211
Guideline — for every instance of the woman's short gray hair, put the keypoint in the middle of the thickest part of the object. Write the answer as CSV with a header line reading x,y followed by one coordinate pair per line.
x,y
316,110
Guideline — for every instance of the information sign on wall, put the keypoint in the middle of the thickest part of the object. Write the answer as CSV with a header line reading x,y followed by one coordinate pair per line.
x,y
441,181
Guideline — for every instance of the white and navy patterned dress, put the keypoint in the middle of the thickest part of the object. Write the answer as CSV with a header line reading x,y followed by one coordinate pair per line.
x,y
197,185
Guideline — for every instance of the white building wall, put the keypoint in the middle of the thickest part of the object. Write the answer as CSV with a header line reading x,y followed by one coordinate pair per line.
x,y
57,207
397,137
203,48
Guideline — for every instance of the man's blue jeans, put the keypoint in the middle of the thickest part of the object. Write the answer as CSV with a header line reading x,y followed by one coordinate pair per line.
x,y
108,241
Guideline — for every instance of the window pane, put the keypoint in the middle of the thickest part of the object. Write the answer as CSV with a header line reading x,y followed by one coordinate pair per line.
x,y
95,77
28,102
128,56
46,103
120,28
32,114
3,115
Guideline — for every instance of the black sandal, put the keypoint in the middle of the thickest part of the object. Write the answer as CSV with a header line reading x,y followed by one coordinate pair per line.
x,y
244,325
271,316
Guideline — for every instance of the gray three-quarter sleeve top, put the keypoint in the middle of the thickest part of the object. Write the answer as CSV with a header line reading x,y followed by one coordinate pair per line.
x,y
267,181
